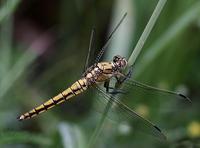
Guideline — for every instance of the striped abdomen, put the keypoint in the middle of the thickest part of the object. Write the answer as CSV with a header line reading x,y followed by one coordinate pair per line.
x,y
75,89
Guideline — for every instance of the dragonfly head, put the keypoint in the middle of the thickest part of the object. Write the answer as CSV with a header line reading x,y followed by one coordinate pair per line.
x,y
119,62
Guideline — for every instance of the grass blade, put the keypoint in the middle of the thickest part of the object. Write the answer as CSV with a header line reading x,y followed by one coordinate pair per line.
x,y
8,8
146,32
7,82
6,31
170,34
10,137
131,61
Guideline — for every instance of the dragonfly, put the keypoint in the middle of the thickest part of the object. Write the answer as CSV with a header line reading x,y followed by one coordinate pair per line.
x,y
102,73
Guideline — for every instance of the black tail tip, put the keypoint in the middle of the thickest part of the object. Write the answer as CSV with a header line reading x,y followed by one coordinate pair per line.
x,y
157,128
185,97
20,118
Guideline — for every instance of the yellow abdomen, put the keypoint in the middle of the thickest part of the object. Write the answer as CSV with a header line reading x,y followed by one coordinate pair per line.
x,y
75,89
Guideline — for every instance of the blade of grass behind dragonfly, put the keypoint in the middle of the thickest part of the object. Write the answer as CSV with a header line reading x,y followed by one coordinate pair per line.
x,y
5,44
8,8
131,61
171,33
13,137
146,32
13,74
100,124
20,66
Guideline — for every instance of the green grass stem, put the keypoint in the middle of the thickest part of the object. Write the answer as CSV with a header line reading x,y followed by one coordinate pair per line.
x,y
131,61
170,34
14,73
10,137
8,8
146,32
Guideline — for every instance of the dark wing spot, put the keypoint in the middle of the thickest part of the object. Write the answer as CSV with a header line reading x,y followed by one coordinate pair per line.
x,y
182,96
185,97
158,128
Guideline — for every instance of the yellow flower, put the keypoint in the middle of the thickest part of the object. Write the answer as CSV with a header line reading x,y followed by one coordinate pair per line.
x,y
194,129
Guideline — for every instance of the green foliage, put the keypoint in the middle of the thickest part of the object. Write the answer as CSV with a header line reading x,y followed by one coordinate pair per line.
x,y
8,8
23,137
135,53
30,75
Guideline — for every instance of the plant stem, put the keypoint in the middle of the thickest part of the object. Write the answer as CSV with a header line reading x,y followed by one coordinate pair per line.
x,y
146,32
174,30
12,137
99,125
8,8
12,75
131,61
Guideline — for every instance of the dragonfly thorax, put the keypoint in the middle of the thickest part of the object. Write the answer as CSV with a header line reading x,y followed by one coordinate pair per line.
x,y
100,72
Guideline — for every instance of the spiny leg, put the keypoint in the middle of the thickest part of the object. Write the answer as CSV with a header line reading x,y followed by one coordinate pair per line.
x,y
120,77
106,85
114,90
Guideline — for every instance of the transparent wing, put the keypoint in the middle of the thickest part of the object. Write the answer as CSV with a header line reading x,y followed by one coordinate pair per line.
x,y
159,102
135,83
88,58
119,111
109,39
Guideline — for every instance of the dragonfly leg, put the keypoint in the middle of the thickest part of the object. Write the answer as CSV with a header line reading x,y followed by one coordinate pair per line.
x,y
114,90
120,77
117,91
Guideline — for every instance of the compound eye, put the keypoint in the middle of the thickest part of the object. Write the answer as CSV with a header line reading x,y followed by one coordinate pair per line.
x,y
124,62
116,58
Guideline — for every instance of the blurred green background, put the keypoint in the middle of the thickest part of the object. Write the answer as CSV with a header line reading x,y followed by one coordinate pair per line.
x,y
43,46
